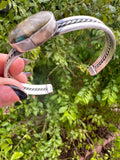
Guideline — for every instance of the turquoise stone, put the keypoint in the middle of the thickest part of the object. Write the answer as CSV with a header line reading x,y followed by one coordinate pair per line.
x,y
20,38
29,26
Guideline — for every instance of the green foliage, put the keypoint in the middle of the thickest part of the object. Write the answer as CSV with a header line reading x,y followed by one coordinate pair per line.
x,y
80,112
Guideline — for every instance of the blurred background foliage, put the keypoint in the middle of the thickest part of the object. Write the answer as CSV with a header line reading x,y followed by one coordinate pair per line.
x,y
81,111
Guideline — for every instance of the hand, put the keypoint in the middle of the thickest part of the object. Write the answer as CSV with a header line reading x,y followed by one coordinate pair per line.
x,y
11,89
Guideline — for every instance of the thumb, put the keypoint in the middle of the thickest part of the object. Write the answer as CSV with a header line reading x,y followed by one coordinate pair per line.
x,y
11,91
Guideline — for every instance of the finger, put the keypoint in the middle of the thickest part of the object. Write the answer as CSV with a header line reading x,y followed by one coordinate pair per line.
x,y
10,81
10,94
2,62
10,91
17,67
7,96
21,77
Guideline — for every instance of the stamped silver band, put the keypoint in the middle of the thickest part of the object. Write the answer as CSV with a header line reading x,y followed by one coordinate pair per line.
x,y
38,89
60,27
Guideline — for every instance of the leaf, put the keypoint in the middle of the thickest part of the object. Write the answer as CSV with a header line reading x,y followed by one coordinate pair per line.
x,y
98,97
3,5
5,124
98,123
9,140
27,136
44,1
115,88
112,9
111,99
100,141
70,118
17,155
73,115
63,109
3,131
4,145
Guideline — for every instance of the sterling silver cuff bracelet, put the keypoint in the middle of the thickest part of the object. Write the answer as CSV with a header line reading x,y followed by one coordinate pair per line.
x,y
38,28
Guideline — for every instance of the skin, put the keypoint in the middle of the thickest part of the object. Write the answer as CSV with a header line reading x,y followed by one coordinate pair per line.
x,y
7,95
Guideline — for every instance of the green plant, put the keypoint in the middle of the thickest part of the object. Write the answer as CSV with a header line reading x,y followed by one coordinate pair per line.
x,y
80,112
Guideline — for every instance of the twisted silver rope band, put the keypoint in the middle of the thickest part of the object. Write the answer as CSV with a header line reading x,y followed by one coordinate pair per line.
x,y
85,22
67,25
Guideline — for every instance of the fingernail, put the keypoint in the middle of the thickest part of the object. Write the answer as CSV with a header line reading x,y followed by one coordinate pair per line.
x,y
28,74
26,61
21,94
